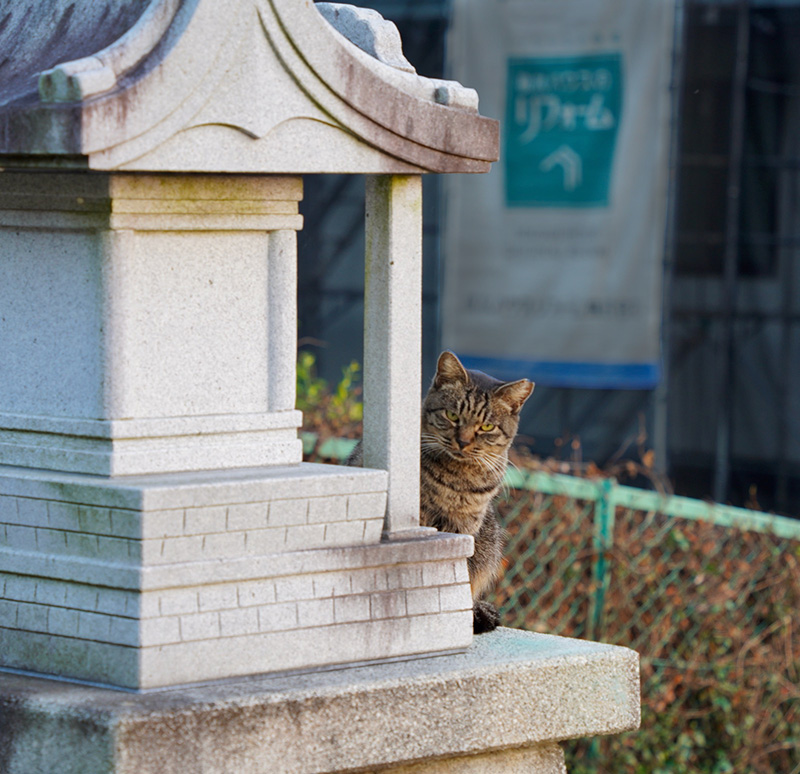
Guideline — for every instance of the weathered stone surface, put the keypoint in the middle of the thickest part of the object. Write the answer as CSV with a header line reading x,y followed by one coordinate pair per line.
x,y
156,580
149,323
540,759
510,690
240,86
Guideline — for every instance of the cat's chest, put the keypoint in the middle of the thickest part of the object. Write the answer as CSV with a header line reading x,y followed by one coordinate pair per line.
x,y
454,502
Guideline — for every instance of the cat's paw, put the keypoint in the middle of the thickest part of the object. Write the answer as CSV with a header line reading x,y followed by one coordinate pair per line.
x,y
485,617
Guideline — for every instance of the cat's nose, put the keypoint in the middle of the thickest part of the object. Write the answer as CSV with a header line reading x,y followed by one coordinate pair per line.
x,y
464,442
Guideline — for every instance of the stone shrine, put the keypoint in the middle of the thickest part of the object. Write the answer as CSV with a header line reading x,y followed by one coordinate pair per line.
x,y
158,527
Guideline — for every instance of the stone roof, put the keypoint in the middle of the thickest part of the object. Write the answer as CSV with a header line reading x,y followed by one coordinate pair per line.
x,y
278,86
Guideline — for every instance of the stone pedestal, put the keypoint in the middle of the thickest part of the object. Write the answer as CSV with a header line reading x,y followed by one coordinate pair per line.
x,y
500,708
149,322
149,581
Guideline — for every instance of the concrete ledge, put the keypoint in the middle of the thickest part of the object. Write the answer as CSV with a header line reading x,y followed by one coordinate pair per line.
x,y
510,691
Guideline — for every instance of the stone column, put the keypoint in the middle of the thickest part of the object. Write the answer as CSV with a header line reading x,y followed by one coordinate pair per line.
x,y
392,341
282,305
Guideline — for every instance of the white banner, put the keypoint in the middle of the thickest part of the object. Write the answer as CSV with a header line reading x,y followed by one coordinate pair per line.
x,y
553,261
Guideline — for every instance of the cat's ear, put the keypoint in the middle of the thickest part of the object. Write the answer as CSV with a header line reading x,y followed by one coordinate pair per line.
x,y
514,394
449,370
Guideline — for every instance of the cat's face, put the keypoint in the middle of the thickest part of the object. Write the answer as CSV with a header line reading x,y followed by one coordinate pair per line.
x,y
470,416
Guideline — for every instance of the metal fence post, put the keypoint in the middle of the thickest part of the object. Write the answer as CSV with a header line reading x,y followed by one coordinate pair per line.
x,y
603,542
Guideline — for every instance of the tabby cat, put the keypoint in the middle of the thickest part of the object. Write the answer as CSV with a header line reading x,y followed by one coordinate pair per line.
x,y
469,420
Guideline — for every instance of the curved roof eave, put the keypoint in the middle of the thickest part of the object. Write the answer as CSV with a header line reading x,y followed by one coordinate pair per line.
x,y
174,68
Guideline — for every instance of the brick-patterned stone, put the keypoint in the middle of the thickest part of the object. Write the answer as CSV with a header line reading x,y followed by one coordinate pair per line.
x,y
247,516
9,514
294,587
279,617
52,541
371,579
389,604
162,524
79,544
203,521
62,621
202,626
315,612
327,509
225,545
178,602
62,516
222,597
123,631
115,602
94,626
32,512
8,613
94,520
81,597
20,587
237,622
265,541
127,524
404,576
344,533
373,531
437,573
135,550
176,549
287,513
456,597
305,537
333,584
50,592
149,604
422,601
22,538
352,608
366,506
159,631
461,571
256,593
114,549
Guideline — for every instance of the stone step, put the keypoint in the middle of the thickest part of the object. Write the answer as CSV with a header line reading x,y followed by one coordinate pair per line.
x,y
502,706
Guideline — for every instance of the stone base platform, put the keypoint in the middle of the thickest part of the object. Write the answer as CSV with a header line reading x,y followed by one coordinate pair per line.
x,y
150,581
502,706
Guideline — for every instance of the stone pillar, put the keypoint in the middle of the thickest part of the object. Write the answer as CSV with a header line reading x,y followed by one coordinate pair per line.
x,y
282,326
393,341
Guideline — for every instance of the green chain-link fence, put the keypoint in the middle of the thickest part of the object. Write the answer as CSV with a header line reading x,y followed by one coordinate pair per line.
x,y
708,595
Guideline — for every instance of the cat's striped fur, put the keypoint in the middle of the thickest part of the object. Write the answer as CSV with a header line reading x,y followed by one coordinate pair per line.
x,y
469,420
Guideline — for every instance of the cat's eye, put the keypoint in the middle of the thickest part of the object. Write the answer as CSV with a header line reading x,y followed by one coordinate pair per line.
x,y
451,415
487,427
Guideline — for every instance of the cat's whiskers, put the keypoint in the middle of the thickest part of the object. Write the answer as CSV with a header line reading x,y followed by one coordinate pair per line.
x,y
432,446
495,464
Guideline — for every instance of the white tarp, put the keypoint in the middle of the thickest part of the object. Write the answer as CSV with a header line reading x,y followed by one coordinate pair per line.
x,y
553,261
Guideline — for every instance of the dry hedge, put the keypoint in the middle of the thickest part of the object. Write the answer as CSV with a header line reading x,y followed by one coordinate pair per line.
x,y
711,610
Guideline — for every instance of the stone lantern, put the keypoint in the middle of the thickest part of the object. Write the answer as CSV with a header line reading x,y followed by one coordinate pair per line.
x,y
160,526
157,524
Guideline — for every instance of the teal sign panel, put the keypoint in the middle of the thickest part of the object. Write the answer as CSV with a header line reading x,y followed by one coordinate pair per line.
x,y
562,117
